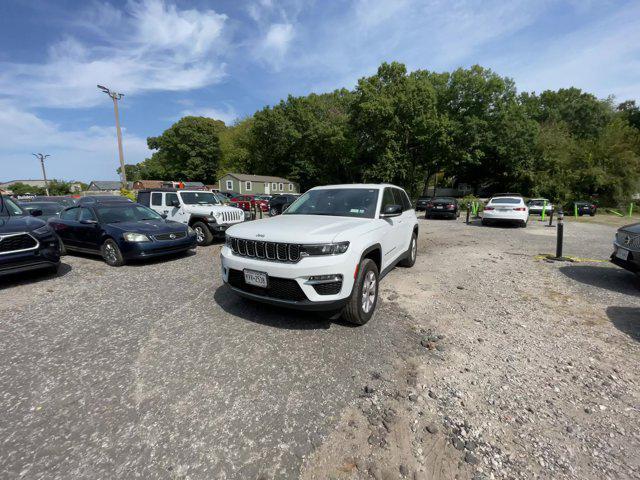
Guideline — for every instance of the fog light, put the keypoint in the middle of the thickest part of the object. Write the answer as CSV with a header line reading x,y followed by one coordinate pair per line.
x,y
317,279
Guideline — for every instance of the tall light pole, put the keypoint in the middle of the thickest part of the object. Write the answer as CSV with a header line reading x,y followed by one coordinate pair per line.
x,y
115,96
41,157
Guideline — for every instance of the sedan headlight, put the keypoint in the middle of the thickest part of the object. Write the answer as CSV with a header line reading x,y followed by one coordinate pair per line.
x,y
43,230
324,249
136,237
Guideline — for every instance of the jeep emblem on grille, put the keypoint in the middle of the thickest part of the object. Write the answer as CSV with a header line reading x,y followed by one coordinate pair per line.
x,y
260,235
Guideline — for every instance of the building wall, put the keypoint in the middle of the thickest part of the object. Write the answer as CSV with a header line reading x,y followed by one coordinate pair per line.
x,y
257,188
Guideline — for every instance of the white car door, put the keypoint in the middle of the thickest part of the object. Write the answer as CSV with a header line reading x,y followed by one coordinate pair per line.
x,y
174,213
156,203
406,220
391,238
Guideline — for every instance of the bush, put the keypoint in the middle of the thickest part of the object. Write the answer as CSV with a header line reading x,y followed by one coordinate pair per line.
x,y
128,193
470,199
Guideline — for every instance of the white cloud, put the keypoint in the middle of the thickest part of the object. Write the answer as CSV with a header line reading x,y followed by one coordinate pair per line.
x,y
75,154
274,45
153,47
228,114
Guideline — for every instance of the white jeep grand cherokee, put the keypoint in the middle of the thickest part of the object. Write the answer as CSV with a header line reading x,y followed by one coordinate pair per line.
x,y
326,252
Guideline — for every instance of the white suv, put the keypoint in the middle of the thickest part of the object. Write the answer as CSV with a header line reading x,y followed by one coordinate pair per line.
x,y
327,251
199,209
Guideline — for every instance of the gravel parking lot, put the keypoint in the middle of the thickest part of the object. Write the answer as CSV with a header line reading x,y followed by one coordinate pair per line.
x,y
482,361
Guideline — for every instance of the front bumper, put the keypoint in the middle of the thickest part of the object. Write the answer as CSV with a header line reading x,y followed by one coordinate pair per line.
x,y
297,272
632,263
47,255
220,228
156,248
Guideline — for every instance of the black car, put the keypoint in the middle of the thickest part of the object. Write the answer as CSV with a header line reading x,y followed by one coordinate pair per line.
x,y
26,242
585,208
44,210
626,248
91,199
443,207
65,201
422,202
279,202
121,231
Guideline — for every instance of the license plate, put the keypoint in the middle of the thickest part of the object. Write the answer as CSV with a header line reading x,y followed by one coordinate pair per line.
x,y
622,253
503,209
439,207
259,279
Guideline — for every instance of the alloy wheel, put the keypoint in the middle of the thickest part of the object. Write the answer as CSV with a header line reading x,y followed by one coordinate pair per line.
x,y
199,234
110,253
368,291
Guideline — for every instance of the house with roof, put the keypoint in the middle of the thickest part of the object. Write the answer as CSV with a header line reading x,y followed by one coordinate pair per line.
x,y
31,183
106,186
256,184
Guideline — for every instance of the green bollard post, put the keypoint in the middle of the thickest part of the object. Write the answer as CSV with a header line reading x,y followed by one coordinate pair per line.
x,y
544,210
631,209
575,210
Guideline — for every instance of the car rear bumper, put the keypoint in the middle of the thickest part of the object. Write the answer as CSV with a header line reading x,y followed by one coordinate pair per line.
x,y
139,250
509,216
441,213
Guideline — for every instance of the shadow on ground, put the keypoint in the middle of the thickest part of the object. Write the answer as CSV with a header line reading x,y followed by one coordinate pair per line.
x,y
33,276
626,319
605,277
270,315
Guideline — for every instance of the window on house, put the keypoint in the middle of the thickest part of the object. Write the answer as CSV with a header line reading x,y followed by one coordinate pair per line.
x,y
291,187
247,186
229,184
274,186
281,187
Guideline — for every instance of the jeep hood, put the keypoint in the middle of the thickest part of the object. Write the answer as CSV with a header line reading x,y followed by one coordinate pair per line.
x,y
302,228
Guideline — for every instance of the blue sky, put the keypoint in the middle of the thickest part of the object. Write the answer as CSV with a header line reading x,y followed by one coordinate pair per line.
x,y
227,59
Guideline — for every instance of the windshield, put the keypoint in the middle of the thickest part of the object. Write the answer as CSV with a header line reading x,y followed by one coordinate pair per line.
x,y
444,199
9,207
125,213
337,202
48,208
199,198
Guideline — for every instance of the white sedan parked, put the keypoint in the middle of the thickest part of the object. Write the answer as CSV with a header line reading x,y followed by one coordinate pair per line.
x,y
506,209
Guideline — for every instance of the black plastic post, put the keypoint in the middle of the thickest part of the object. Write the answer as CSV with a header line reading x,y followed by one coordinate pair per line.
x,y
560,233
468,212
550,219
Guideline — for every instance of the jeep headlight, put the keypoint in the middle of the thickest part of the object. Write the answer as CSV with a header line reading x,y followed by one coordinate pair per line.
x,y
135,237
210,219
324,249
43,230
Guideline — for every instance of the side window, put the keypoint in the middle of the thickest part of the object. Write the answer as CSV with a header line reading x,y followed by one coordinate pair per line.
x,y
156,198
387,198
247,186
274,187
143,198
86,214
281,187
170,198
229,185
402,199
291,187
70,214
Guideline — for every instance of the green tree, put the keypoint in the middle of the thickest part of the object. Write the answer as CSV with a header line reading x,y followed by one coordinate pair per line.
x,y
235,144
188,150
20,188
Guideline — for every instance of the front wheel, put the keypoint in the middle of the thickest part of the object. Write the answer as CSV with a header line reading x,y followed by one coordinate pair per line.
x,y
410,257
364,298
111,253
204,236
273,211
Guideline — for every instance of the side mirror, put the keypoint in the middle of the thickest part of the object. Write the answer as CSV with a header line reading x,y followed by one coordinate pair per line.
x,y
175,203
391,211
36,212
88,222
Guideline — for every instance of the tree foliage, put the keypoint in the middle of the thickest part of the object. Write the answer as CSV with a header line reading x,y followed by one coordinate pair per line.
x,y
411,128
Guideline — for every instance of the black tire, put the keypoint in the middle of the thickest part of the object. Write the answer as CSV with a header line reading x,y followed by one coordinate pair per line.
x,y
427,216
204,236
111,253
485,222
354,311
592,214
523,224
412,253
273,211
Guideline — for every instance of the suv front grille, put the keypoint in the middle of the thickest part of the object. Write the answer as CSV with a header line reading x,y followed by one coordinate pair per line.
x,y
628,240
281,252
280,288
232,216
170,236
17,242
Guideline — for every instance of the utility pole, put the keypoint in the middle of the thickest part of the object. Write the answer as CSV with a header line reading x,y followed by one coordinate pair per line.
x,y
41,157
115,96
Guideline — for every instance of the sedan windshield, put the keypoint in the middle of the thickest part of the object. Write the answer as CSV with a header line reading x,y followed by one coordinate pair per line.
x,y
444,199
125,213
8,207
199,198
48,208
336,202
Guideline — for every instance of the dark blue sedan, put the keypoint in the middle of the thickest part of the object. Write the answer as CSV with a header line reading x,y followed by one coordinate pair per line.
x,y
120,231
